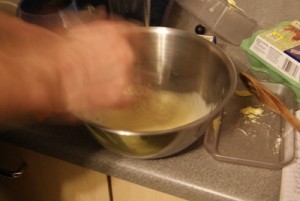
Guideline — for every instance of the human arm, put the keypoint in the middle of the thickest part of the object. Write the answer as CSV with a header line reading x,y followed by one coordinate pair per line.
x,y
43,73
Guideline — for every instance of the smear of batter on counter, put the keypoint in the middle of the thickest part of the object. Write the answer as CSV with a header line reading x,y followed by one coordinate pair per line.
x,y
232,2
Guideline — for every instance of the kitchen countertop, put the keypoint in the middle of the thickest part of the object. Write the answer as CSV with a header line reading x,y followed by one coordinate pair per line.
x,y
192,174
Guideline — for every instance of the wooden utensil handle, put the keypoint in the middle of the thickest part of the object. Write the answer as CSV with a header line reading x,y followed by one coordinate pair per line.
x,y
291,118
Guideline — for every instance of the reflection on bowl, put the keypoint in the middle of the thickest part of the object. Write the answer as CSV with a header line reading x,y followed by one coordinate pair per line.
x,y
193,81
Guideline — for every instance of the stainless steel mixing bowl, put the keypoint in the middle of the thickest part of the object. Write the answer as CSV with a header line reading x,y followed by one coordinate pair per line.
x,y
183,63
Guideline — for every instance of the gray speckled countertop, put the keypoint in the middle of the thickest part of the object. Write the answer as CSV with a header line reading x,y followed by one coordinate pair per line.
x,y
192,174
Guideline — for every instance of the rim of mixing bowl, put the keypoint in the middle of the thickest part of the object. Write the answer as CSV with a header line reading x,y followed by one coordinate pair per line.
x,y
232,74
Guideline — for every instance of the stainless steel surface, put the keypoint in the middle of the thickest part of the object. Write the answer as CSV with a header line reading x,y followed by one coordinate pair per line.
x,y
252,138
220,17
176,17
147,12
184,63
131,9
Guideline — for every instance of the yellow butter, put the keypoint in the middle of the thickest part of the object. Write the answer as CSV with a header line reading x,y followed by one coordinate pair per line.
x,y
252,112
242,93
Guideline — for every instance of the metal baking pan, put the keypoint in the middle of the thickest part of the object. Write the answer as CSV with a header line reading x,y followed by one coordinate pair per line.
x,y
263,139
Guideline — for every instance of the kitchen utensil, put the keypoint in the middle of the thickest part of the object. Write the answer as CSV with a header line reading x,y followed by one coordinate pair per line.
x,y
222,19
269,99
185,65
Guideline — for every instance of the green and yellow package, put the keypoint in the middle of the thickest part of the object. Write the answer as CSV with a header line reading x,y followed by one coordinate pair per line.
x,y
277,52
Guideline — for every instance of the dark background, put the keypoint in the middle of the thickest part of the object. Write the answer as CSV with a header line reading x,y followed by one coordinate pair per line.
x,y
38,6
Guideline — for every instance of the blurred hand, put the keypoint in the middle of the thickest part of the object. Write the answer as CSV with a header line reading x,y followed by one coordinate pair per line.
x,y
83,69
100,60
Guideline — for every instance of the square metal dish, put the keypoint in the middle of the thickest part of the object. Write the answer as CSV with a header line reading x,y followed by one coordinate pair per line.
x,y
261,139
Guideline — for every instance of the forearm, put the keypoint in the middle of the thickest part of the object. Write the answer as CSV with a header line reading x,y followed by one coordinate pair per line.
x,y
27,90
29,77
43,73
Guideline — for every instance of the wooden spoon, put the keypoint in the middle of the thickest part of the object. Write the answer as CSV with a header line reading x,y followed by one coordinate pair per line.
x,y
266,97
